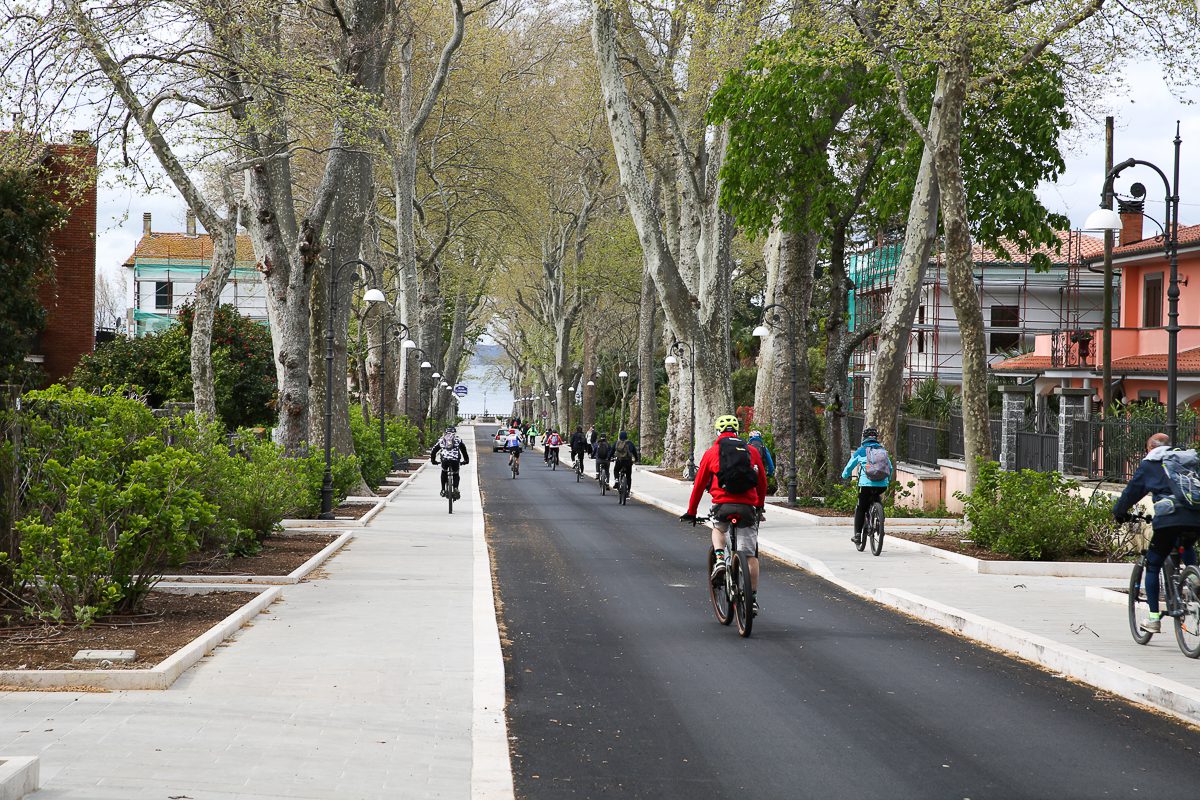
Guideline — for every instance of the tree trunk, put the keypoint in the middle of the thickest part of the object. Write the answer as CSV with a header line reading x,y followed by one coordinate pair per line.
x,y
887,373
647,369
960,267
204,307
588,409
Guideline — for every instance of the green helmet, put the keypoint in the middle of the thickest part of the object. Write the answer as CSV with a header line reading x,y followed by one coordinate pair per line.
x,y
727,422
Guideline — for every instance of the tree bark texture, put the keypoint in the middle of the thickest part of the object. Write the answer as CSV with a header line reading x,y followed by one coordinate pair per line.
x,y
886,392
648,433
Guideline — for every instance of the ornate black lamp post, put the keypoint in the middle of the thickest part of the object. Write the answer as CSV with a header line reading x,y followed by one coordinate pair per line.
x,y
678,347
1107,219
784,313
370,296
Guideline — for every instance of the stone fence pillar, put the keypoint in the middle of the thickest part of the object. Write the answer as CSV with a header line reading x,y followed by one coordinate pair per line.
x,y
1012,417
1073,404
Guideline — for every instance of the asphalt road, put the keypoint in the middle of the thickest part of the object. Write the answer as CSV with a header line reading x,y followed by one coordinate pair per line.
x,y
622,684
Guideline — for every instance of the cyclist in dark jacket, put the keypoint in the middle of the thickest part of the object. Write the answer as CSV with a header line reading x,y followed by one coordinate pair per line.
x,y
603,453
1174,524
624,454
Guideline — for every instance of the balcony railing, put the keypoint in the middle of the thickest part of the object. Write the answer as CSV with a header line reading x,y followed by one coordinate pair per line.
x,y
1073,348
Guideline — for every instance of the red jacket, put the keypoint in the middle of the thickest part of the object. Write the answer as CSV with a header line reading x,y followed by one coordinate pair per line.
x,y
706,478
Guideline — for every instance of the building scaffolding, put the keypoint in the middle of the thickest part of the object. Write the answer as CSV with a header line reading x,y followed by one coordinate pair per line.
x,y
1018,302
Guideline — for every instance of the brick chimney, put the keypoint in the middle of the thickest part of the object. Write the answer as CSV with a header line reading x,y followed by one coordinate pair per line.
x,y
1131,220
146,224
191,222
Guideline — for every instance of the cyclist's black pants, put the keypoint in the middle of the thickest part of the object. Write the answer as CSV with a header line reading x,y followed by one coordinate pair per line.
x,y
866,496
623,466
1161,544
452,468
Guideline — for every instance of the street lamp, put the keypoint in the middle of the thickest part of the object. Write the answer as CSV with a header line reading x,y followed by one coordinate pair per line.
x,y
401,331
762,331
370,296
670,361
1107,219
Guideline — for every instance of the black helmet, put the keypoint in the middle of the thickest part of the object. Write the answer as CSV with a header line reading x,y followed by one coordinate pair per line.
x,y
870,433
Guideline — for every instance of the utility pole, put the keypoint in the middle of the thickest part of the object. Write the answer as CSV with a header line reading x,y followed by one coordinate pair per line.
x,y
1106,393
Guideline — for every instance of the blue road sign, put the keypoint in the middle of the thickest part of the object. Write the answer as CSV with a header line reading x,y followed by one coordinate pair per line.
x,y
461,390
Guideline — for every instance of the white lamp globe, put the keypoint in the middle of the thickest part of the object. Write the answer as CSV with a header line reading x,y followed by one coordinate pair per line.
x,y
374,296
426,365
671,360
622,374
760,331
1103,219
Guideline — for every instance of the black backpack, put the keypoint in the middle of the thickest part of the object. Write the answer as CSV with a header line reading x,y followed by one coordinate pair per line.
x,y
735,471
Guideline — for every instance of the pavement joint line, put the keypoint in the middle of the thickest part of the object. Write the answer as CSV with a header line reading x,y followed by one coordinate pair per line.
x,y
293,577
491,766
161,675
1134,684
395,493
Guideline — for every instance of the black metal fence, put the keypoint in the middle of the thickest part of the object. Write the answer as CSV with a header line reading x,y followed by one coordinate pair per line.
x,y
923,441
1113,448
957,448
1037,451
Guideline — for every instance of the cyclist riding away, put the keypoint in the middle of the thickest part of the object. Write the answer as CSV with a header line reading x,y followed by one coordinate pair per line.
x,y
553,442
578,445
756,441
513,445
453,452
874,476
1175,523
733,473
603,452
624,454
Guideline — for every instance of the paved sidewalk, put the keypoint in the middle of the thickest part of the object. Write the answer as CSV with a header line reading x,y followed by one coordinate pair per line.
x,y
381,680
1048,620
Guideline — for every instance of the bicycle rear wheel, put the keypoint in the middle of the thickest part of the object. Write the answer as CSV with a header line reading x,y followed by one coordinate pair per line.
x,y
1187,624
743,598
718,593
554,463
450,499
875,526
1136,602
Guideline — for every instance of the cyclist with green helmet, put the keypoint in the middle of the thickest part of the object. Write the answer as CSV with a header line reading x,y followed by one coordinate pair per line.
x,y
740,487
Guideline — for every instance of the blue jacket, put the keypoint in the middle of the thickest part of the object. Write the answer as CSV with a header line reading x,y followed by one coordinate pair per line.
x,y
859,459
1151,479
769,462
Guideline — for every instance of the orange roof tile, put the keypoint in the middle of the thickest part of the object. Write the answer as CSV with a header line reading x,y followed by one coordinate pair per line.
x,y
1026,362
174,247
1075,247
1187,362
1189,236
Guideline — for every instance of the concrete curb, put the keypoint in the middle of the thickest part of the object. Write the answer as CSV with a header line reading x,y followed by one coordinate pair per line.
x,y
1030,569
361,522
1103,673
293,577
491,768
1128,682
18,776
163,674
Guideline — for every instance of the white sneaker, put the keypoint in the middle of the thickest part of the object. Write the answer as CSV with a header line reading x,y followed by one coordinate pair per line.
x,y
1152,625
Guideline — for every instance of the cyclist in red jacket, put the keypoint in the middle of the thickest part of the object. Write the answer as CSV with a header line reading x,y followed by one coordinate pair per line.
x,y
752,499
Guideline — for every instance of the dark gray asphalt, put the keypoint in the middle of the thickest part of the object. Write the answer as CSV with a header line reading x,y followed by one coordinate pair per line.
x,y
622,684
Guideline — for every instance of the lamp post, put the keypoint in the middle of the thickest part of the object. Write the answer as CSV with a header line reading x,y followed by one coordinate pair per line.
x,y
1109,220
671,360
406,343
370,296
409,344
784,312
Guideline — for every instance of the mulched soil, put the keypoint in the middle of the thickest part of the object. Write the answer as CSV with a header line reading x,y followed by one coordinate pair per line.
x,y
168,623
671,473
817,511
352,510
279,556
949,541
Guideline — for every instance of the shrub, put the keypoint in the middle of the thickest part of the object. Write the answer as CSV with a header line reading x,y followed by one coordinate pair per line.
x,y
1028,514
106,503
347,473
160,363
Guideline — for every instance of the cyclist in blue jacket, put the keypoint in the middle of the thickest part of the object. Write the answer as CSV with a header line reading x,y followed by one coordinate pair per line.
x,y
869,489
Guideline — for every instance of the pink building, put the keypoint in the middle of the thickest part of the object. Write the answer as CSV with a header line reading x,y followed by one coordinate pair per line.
x,y
1073,358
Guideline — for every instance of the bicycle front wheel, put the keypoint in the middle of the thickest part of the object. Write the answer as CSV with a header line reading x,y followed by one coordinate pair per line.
x,y
718,592
450,499
875,526
1187,624
1136,602
744,596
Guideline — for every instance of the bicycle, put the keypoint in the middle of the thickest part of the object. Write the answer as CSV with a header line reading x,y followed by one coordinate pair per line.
x,y
623,487
872,528
602,476
552,458
730,592
1179,591
578,467
514,461
448,490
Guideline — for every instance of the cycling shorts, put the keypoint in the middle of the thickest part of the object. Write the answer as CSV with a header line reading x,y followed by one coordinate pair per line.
x,y
515,449
747,531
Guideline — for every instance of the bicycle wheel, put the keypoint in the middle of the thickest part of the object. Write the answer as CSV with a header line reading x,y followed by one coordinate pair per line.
x,y
875,526
743,596
450,499
554,463
718,592
1187,624
1136,601
862,538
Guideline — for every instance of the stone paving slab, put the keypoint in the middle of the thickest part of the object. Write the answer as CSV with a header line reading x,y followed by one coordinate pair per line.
x,y
1056,609
361,685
